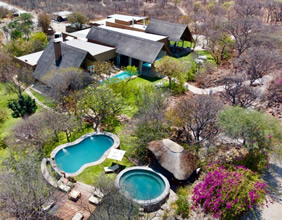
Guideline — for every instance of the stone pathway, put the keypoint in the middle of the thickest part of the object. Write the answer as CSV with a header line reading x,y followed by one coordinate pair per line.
x,y
36,100
264,81
271,211
165,208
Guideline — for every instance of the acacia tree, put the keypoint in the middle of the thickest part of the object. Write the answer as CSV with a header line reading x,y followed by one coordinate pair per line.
x,y
19,78
238,93
256,62
170,67
197,117
247,8
66,86
256,129
98,103
23,190
35,131
150,123
244,31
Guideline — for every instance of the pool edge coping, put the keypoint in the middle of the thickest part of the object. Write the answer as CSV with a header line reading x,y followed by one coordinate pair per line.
x,y
53,163
146,203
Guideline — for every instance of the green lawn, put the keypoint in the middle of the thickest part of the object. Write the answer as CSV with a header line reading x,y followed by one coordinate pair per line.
x,y
92,174
133,88
44,99
10,121
180,43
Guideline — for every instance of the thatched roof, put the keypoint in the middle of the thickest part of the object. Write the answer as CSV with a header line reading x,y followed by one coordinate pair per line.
x,y
71,57
174,158
127,45
174,31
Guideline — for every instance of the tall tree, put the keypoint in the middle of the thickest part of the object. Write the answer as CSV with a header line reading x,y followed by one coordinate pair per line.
x,y
256,129
98,103
114,205
170,67
23,190
150,122
19,78
256,62
197,117
244,31
66,85
238,93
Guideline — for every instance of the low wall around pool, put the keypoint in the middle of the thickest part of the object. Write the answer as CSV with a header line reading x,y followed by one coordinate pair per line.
x,y
148,205
77,141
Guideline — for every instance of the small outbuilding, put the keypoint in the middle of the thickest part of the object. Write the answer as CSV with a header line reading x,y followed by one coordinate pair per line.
x,y
174,158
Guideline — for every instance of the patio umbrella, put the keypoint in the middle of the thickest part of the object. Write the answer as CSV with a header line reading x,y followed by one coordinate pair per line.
x,y
116,154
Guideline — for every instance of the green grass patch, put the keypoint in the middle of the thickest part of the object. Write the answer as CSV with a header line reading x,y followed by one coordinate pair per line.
x,y
91,175
44,99
180,44
5,127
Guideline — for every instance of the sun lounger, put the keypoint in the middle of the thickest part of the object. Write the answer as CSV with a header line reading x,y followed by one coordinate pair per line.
x,y
77,216
94,200
111,169
98,193
63,187
48,205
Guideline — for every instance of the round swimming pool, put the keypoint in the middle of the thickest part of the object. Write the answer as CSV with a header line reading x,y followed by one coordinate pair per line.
x,y
143,185
73,158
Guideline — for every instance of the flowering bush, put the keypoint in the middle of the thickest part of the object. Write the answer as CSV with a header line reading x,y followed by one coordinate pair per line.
x,y
228,193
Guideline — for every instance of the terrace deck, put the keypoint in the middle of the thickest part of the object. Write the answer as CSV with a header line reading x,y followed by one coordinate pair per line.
x,y
66,209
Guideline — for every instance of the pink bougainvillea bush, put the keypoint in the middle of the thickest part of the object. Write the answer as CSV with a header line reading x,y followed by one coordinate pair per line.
x,y
228,193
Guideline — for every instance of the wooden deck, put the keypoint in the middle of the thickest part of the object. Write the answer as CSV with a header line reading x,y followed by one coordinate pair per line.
x,y
65,209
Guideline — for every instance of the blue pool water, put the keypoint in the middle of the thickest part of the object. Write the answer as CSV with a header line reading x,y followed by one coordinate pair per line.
x,y
121,76
71,158
142,184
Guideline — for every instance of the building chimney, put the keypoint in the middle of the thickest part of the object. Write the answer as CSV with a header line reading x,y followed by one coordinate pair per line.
x,y
57,51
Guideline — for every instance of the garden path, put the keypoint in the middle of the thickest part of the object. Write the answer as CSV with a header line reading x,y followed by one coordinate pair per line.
x,y
36,100
264,81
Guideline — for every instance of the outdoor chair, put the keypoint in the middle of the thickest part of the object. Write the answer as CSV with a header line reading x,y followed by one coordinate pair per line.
x,y
48,205
63,187
111,169
98,193
77,216
94,200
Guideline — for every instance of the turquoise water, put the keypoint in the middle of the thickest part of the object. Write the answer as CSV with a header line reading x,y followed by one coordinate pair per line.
x,y
121,76
70,159
142,184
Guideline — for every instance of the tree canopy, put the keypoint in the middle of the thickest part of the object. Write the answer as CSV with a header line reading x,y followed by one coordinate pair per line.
x,y
256,129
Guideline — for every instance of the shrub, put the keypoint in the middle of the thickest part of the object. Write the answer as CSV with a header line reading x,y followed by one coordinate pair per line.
x,y
192,72
258,130
182,203
255,160
3,115
177,88
22,107
228,193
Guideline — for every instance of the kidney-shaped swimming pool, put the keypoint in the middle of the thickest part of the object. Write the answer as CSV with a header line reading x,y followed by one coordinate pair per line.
x,y
82,153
